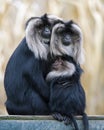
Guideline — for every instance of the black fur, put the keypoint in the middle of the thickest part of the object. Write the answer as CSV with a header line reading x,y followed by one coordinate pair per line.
x,y
27,92
67,96
24,81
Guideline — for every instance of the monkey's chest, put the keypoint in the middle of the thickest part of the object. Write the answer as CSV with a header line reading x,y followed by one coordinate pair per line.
x,y
67,100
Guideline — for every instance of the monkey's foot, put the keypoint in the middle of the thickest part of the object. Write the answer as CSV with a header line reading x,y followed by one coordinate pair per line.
x,y
58,116
67,120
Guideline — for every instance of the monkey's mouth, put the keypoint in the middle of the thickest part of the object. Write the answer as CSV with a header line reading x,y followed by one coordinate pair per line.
x,y
57,63
46,41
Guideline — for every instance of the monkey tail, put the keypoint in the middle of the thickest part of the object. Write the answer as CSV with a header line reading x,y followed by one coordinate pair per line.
x,y
74,122
85,121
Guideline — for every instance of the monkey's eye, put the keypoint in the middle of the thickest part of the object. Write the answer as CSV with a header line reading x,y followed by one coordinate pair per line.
x,y
39,25
74,32
60,30
66,40
46,32
75,35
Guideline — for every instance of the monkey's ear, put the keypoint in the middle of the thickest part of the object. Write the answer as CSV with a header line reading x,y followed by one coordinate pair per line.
x,y
79,53
78,47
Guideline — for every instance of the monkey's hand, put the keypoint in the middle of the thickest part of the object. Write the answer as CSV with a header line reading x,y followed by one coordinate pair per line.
x,y
60,117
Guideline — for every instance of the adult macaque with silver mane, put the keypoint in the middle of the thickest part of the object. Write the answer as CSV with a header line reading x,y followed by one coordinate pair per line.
x,y
26,90
67,96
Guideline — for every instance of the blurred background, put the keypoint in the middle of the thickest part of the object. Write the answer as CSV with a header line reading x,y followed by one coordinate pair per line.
x,y
89,14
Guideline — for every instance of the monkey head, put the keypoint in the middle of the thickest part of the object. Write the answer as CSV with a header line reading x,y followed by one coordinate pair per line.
x,y
66,39
38,34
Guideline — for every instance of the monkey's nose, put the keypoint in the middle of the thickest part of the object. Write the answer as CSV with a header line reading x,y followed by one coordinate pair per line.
x,y
46,33
67,40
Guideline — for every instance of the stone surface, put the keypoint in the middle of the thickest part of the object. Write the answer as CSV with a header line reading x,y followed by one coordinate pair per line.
x,y
46,123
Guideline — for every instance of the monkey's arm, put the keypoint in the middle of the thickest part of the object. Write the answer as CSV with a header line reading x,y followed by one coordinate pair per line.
x,y
40,85
35,78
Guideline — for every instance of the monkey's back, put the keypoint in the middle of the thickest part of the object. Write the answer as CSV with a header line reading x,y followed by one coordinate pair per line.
x,y
23,77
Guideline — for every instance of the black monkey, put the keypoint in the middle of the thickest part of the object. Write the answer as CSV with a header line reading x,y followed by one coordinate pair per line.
x,y
26,90
67,96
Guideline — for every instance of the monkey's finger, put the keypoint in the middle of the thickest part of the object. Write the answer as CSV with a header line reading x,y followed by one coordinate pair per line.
x,y
58,116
